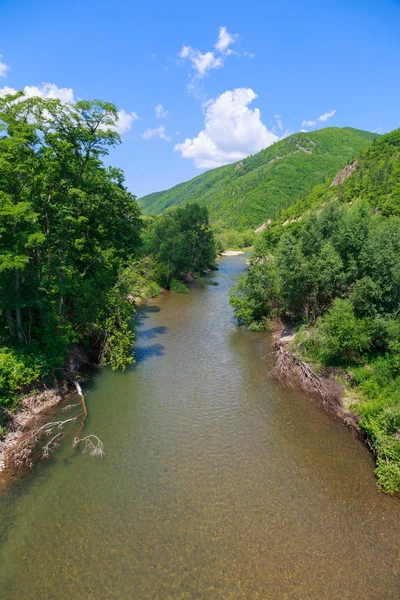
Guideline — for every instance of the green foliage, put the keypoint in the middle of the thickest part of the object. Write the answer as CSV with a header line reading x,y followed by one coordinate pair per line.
x,y
346,338
260,187
256,297
178,286
337,275
230,239
18,369
182,242
73,258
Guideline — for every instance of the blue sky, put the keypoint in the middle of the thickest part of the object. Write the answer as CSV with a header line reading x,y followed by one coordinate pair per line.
x,y
221,71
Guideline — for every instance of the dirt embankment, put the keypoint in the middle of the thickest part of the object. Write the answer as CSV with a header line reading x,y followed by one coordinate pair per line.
x,y
322,385
18,449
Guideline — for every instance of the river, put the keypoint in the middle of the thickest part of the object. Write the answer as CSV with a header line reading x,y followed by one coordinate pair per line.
x,y
217,482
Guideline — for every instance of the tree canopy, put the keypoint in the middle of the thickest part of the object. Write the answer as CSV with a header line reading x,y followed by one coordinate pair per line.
x,y
75,252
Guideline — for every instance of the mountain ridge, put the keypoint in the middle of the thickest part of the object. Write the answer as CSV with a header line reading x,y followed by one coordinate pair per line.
x,y
250,191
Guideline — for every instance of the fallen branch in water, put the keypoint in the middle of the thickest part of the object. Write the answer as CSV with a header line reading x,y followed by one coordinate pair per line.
x,y
92,445
23,450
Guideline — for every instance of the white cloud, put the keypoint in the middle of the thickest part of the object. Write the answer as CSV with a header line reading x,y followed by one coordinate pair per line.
x,y
160,133
225,40
232,131
50,90
249,54
4,91
125,121
203,62
46,90
161,112
66,95
3,68
326,116
283,133
321,119
279,122
153,56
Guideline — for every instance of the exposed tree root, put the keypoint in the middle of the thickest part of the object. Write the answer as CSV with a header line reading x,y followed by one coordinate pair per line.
x,y
294,372
29,439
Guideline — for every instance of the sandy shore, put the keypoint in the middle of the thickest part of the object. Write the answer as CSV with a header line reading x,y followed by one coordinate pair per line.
x,y
232,253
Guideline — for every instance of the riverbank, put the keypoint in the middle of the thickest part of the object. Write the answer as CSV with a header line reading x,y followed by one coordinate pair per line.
x,y
323,384
339,392
232,253
18,448
33,408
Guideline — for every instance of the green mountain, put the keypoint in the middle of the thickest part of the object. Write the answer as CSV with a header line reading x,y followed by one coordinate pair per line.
x,y
373,176
248,192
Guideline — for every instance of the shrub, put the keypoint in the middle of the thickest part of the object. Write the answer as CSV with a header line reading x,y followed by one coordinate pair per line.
x,y
346,337
177,286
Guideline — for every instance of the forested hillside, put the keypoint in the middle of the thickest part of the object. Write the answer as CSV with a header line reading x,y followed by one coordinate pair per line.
x,y
260,187
75,252
335,274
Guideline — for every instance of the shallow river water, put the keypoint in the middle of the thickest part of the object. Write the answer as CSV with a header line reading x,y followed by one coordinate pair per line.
x,y
217,483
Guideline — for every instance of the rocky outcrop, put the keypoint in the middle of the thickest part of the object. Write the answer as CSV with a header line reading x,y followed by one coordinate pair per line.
x,y
344,174
263,226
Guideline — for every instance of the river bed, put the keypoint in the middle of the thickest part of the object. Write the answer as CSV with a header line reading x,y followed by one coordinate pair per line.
x,y
217,483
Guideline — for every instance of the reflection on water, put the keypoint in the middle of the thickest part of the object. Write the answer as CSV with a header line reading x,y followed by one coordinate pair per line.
x,y
217,482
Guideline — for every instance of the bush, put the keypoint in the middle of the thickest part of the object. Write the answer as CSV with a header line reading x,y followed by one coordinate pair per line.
x,y
346,337
177,286
18,369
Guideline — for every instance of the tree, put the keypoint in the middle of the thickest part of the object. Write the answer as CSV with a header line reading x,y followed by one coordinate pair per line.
x,y
346,337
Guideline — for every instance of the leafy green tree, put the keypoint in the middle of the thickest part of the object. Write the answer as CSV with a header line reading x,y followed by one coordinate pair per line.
x,y
346,337
256,296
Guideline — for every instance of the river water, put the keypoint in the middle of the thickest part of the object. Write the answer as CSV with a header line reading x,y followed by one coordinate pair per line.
x,y
217,483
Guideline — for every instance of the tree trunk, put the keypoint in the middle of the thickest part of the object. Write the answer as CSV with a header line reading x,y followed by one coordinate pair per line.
x,y
62,278
18,315
10,323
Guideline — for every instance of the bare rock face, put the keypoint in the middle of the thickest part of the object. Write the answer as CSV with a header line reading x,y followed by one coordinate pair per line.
x,y
239,165
344,174
263,226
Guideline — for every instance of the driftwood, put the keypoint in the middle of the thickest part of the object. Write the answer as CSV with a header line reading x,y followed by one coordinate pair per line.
x,y
22,447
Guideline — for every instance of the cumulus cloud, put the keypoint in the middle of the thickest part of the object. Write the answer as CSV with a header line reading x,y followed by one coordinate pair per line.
x,y
5,90
321,119
161,112
66,95
125,121
231,131
50,90
46,90
225,40
3,68
203,62
160,133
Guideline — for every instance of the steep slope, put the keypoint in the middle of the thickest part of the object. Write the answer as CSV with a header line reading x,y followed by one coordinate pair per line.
x,y
247,193
373,176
